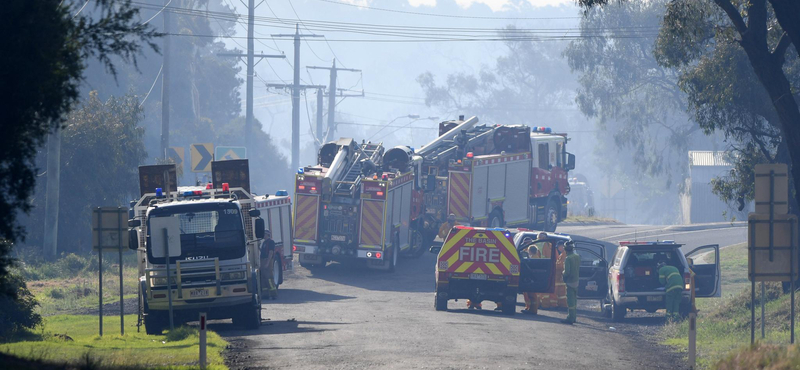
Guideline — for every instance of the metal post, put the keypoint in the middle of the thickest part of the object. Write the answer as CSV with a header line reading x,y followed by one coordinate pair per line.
x,y
331,104
752,312
169,280
792,269
121,292
165,74
202,340
763,296
248,121
320,100
100,264
692,327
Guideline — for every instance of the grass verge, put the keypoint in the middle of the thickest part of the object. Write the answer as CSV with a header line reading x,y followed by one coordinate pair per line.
x,y
590,220
74,340
723,325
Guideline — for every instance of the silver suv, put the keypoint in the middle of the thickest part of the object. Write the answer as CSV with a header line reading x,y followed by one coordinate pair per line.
x,y
633,282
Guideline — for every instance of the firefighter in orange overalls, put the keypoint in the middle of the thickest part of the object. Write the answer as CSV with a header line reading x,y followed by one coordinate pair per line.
x,y
559,298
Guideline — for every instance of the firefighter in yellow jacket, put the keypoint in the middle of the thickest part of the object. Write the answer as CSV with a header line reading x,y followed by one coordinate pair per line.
x,y
572,265
673,287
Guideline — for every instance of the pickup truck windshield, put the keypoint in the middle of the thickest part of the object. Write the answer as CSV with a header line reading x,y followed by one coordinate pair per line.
x,y
207,230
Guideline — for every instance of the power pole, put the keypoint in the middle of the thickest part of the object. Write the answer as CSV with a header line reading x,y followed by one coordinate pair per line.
x,y
165,86
296,94
250,56
51,203
332,95
319,138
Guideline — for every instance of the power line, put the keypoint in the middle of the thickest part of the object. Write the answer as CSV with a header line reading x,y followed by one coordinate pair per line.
x,y
152,86
304,26
441,39
440,15
154,15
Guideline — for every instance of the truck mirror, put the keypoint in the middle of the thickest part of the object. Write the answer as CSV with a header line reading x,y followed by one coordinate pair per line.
x,y
255,213
259,228
134,223
430,185
133,239
435,249
570,162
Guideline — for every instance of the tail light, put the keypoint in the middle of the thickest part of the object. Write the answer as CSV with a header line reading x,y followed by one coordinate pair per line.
x,y
620,282
687,280
294,248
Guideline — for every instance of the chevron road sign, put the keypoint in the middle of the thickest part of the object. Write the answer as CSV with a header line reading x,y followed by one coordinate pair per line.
x,y
175,153
223,153
202,155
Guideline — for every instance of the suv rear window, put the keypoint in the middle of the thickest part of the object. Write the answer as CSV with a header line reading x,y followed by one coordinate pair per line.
x,y
641,273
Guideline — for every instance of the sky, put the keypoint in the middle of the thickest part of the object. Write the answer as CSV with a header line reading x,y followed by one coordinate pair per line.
x,y
389,69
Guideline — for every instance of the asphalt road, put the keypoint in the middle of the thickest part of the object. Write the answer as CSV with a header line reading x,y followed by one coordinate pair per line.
x,y
349,317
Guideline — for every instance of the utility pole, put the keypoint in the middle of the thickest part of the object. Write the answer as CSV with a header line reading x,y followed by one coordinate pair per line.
x,y
332,95
296,94
319,138
165,86
250,57
51,203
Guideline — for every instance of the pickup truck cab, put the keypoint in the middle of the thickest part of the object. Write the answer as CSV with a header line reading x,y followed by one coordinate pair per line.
x,y
633,276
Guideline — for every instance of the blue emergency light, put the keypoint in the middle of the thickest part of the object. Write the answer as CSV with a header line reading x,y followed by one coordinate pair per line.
x,y
300,170
159,193
281,193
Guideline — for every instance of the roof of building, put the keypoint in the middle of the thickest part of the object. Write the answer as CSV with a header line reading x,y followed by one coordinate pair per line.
x,y
708,158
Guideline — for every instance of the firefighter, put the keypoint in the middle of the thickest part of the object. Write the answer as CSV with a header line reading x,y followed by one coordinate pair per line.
x,y
267,262
547,300
531,300
572,265
673,288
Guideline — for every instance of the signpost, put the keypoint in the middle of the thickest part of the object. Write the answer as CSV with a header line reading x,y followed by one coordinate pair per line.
x,y
202,340
166,239
772,239
109,233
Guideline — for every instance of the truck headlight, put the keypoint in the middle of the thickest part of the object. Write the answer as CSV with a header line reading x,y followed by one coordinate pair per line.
x,y
162,281
236,275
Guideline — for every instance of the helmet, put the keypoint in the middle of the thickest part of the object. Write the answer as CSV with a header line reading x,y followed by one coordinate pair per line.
x,y
661,264
451,217
570,245
267,233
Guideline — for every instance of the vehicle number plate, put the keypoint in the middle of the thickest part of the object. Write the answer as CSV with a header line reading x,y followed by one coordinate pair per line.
x,y
477,276
338,238
654,298
196,293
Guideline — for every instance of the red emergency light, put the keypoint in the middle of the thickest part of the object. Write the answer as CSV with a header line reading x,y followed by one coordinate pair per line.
x,y
380,193
209,186
301,187
225,186
470,155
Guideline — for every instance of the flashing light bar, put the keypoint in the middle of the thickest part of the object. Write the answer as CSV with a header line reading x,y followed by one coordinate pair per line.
x,y
301,170
225,186
209,186
159,193
281,193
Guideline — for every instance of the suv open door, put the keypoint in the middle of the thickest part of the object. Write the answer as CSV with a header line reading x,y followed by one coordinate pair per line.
x,y
706,274
593,276
537,273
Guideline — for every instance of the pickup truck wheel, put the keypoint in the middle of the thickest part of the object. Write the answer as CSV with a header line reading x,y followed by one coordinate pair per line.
x,y
154,322
617,312
440,303
248,317
551,216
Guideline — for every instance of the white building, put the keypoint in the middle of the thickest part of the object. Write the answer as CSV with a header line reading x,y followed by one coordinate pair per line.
x,y
699,204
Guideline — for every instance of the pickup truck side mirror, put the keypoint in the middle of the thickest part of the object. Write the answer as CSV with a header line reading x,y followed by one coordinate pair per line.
x,y
259,228
133,239
570,162
435,249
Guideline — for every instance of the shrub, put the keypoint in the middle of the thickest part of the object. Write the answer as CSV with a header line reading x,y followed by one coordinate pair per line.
x,y
17,306
181,333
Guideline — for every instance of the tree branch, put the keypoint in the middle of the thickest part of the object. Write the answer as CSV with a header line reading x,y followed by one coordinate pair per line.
x,y
733,14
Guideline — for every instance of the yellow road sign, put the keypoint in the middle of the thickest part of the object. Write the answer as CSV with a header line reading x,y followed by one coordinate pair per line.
x,y
175,153
202,157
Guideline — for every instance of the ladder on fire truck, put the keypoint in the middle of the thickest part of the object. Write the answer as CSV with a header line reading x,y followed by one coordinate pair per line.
x,y
352,179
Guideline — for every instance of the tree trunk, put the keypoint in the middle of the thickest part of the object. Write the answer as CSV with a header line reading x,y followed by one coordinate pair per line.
x,y
788,14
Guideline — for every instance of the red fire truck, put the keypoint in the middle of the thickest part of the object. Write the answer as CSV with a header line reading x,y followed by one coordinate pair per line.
x,y
493,175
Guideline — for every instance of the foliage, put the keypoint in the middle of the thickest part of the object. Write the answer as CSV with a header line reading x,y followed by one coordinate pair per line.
x,y
73,340
17,307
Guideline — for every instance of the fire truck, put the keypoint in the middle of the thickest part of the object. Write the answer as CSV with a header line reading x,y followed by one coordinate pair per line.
x,y
354,204
493,176
198,246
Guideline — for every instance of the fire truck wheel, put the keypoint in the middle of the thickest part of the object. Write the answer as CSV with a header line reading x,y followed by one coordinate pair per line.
x,y
510,304
551,216
248,317
496,218
393,258
418,245
155,322
440,303
276,273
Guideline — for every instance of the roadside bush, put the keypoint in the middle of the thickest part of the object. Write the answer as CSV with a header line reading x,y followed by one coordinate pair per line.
x,y
762,356
17,307
181,333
